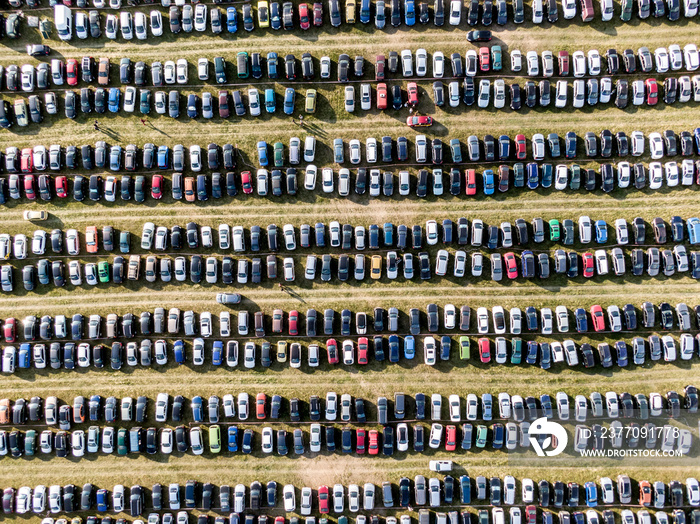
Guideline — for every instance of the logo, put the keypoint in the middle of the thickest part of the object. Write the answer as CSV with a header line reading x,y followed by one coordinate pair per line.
x,y
542,426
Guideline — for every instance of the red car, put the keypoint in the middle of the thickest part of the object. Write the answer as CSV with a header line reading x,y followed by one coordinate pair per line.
x,y
9,330
246,182
279,520
29,187
419,121
157,187
332,349
362,345
530,514
293,322
304,22
485,350
412,90
563,63
318,14
373,442
598,318
484,58
382,97
520,147
323,499
27,160
260,401
652,89
61,186
360,447
451,438
72,72
511,265
470,175
588,265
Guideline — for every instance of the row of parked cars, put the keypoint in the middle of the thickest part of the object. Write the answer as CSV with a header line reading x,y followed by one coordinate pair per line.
x,y
345,408
502,350
498,436
211,270
386,150
374,182
274,66
174,322
340,499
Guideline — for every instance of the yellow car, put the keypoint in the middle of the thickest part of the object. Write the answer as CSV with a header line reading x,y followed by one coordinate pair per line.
x,y
310,101
376,271
281,351
350,11
263,13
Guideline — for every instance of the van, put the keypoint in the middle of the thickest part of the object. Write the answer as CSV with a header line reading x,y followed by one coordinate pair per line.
x,y
63,19
134,266
242,64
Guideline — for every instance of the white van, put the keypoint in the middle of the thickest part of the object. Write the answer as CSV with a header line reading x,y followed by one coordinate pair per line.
x,y
63,19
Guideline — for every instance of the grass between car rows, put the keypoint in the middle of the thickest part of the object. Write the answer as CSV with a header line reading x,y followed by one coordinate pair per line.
x,y
377,379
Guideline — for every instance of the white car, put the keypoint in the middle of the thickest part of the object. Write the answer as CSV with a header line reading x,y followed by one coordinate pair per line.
x,y
421,62
594,64
327,180
482,320
438,64
675,56
454,405
655,175
450,316
253,100
353,498
499,94
429,351
338,498
181,71
156,24
365,97
691,57
606,10
407,62
579,64
349,99
140,26
288,495
656,146
662,60
484,93
371,150
200,18
455,12
533,64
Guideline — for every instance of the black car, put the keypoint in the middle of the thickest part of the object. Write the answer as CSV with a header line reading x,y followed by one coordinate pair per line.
x,y
479,36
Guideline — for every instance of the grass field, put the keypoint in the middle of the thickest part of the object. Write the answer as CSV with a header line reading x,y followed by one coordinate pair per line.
x,y
330,122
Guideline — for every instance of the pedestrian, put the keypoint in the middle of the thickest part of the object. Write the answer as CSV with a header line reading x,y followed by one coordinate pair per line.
x,y
143,121
96,125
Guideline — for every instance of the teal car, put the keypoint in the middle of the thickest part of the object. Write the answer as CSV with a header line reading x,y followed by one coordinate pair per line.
x,y
103,271
517,350
278,156
270,104
456,150
496,58
481,436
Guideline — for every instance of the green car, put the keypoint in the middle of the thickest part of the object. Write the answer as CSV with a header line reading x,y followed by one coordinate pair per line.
x,y
103,271
121,442
215,438
554,230
481,436
626,14
575,181
496,61
464,348
279,154
29,442
517,354
483,516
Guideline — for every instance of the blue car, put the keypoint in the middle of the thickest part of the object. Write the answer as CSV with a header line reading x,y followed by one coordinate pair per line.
x,y
101,500
232,438
581,320
163,157
601,231
445,343
179,351
410,12
489,186
197,413
272,65
388,234
113,100
591,494
270,106
393,348
696,134
23,356
231,20
504,147
409,347
547,171
262,153
365,16
217,353
289,101
533,175
456,149
571,142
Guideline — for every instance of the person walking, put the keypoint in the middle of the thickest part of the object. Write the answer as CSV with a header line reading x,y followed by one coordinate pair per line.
x,y
96,125
143,121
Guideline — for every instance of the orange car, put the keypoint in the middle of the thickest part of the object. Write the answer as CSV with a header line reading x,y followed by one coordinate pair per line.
x,y
644,493
189,189
382,94
4,411
260,401
91,239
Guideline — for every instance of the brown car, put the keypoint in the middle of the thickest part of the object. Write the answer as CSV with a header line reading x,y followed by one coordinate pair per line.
x,y
223,104
103,72
4,411
190,195
379,67
277,320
